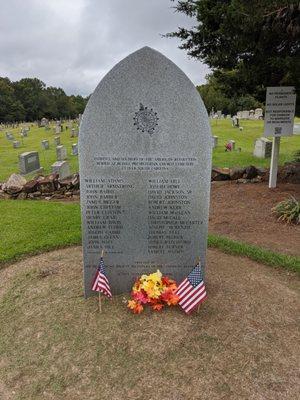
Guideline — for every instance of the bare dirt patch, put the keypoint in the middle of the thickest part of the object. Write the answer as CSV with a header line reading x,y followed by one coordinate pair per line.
x,y
55,345
243,212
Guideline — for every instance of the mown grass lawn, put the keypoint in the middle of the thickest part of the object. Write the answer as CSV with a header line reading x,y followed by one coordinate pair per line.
x,y
245,140
9,161
31,227
222,128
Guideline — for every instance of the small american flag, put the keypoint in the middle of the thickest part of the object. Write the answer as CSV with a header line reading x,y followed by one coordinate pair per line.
x,y
100,282
192,290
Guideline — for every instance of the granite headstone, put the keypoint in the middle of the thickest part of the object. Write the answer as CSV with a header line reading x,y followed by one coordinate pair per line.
x,y
45,144
145,166
29,162
16,144
74,149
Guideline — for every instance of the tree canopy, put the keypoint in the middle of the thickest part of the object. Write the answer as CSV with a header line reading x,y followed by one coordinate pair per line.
x,y
29,99
249,45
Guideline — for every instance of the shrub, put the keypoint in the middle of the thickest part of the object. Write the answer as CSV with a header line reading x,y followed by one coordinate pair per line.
x,y
288,210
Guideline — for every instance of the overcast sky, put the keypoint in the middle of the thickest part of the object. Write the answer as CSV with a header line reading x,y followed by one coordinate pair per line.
x,y
74,43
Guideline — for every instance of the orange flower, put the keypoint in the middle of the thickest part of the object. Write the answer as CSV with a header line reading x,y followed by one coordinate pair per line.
x,y
154,289
169,297
131,304
136,307
173,300
157,307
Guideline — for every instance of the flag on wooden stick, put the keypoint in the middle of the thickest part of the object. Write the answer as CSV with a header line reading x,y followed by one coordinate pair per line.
x,y
192,290
100,282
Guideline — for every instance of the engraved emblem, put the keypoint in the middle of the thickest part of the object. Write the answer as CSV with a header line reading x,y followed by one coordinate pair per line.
x,y
146,119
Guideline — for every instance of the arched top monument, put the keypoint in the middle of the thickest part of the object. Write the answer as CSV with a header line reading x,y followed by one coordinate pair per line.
x,y
145,164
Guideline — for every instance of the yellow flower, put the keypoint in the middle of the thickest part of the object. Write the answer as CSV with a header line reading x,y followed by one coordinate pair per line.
x,y
154,292
156,277
147,285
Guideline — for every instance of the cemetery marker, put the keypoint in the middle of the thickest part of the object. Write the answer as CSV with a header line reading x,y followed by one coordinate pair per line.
x,y
145,166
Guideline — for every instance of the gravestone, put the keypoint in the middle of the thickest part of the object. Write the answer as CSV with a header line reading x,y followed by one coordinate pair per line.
x,y
296,129
262,148
44,122
45,144
62,168
57,140
24,132
9,136
235,121
29,162
245,114
145,166
258,113
232,144
16,144
75,149
61,153
215,141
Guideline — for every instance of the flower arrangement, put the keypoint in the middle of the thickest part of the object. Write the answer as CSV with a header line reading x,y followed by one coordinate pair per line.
x,y
155,290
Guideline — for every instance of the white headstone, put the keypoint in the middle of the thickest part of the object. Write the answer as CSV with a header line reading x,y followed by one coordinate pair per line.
x,y
245,114
215,141
262,148
62,168
61,153
232,144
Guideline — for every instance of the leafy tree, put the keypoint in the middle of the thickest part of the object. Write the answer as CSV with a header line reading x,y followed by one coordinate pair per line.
x,y
248,44
11,109
30,92
29,99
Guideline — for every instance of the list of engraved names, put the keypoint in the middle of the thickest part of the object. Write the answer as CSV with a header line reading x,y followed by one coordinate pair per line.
x,y
167,212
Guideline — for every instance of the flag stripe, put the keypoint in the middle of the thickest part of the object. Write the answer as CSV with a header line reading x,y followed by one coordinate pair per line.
x,y
182,283
188,292
192,295
192,291
103,285
183,287
101,288
100,282
196,303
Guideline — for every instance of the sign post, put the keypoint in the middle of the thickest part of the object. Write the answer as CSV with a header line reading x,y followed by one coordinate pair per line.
x,y
279,121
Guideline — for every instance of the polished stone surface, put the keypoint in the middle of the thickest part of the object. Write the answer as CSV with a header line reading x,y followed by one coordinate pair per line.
x,y
145,165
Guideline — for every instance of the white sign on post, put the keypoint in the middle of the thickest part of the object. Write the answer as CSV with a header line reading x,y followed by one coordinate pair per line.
x,y
279,121
280,111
